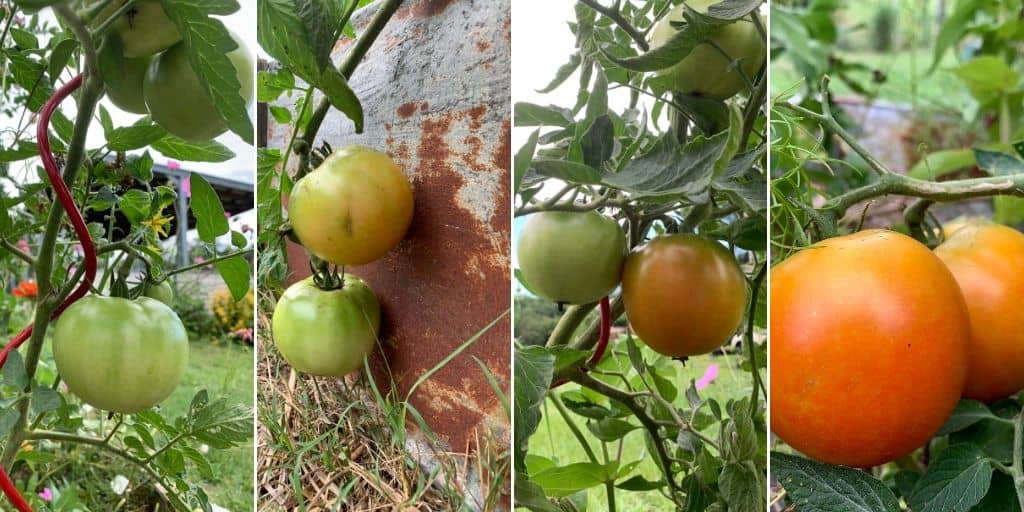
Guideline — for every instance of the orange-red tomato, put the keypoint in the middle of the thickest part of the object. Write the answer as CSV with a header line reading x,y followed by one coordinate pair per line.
x,y
869,348
987,261
684,295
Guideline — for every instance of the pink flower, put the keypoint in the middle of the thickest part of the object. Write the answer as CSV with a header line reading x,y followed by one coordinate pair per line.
x,y
710,374
186,186
227,215
243,334
78,249
46,495
23,247
173,164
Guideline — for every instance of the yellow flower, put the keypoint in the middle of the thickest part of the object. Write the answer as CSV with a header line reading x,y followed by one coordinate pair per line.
x,y
158,224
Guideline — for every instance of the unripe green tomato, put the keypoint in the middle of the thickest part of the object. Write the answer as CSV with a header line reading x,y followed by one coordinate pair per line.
x,y
146,30
705,71
161,292
120,355
570,257
176,99
126,94
352,209
326,332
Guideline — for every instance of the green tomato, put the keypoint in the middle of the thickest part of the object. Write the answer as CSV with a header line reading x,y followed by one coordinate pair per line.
x,y
161,292
326,333
572,258
355,207
176,99
120,355
126,93
146,30
705,71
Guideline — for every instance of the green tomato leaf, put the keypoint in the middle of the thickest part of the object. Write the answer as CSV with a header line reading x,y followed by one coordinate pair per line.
x,y
564,72
571,172
571,478
529,114
135,204
236,274
179,149
208,43
819,487
336,88
741,488
533,369
134,137
666,171
207,209
522,160
956,481
967,413
696,30
23,151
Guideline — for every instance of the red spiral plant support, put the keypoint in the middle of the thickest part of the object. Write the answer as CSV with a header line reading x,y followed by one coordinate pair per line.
x,y
88,248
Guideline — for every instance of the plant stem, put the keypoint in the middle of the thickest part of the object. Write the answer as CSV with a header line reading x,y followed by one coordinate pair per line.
x,y
90,94
352,60
16,252
104,445
755,289
1018,457
207,262
571,319
1012,184
616,16
557,400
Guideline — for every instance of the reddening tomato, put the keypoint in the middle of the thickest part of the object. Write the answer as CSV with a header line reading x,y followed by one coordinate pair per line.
x,y
987,261
352,209
176,99
161,292
120,355
869,347
126,91
326,332
684,294
571,257
705,71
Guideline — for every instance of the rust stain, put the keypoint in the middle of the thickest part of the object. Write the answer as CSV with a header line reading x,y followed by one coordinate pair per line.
x,y
502,159
406,110
423,9
483,45
424,106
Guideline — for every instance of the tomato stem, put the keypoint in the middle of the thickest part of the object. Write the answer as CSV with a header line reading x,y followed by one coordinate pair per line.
x,y
81,230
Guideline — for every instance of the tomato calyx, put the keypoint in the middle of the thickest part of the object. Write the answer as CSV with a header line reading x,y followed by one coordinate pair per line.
x,y
326,277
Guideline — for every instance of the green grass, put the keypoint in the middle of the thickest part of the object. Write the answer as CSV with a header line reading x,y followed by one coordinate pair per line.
x,y
555,441
224,370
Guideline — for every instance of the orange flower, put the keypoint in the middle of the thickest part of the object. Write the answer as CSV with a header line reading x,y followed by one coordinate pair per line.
x,y
26,289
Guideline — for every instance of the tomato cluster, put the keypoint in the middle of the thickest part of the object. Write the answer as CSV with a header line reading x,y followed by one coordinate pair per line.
x,y
352,209
577,258
875,338
156,77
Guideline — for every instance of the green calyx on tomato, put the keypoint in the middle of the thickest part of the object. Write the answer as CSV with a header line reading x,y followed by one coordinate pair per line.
x,y
161,292
352,209
859,324
120,355
705,71
178,102
684,295
326,332
570,257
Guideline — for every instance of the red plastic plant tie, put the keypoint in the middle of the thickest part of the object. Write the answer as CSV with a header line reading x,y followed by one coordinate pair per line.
x,y
88,248
602,341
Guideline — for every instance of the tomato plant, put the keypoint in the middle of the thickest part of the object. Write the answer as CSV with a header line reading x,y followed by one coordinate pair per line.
x,y
985,260
162,292
605,420
126,92
879,154
679,284
353,208
103,403
120,355
571,257
326,332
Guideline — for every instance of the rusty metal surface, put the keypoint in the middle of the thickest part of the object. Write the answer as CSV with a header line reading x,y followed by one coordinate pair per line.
x,y
435,90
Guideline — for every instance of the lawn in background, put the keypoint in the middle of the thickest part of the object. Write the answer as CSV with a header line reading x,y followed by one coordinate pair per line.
x,y
224,370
